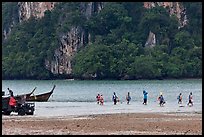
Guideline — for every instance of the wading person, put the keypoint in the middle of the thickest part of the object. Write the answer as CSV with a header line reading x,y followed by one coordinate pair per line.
x,y
115,98
179,98
101,100
98,98
128,98
190,99
145,97
161,100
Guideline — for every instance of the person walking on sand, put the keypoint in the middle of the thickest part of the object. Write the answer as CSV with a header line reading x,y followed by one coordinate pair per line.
x,y
98,98
128,98
190,99
145,97
115,98
179,98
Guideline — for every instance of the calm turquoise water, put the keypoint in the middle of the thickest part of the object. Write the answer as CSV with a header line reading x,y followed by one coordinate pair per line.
x,y
73,97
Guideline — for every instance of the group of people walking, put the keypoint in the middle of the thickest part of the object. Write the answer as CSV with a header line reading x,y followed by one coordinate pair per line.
x,y
115,99
100,99
190,99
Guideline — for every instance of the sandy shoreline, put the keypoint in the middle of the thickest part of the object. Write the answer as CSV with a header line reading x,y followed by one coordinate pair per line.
x,y
105,124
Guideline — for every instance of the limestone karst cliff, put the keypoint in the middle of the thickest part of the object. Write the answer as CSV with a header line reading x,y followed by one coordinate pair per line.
x,y
175,8
36,9
71,41
75,37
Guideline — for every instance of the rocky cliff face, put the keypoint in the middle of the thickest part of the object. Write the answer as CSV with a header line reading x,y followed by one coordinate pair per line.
x,y
25,11
91,7
175,8
71,42
7,31
77,37
36,9
151,41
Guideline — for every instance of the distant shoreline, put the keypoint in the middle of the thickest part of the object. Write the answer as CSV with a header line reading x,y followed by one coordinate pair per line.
x,y
114,79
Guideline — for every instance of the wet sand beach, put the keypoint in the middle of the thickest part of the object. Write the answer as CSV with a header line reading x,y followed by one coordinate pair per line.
x,y
106,124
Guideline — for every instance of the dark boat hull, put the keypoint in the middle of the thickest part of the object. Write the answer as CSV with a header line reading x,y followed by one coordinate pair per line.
x,y
41,97
19,97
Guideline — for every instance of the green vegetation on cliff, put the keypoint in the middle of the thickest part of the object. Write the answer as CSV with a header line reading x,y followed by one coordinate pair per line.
x,y
116,51
118,48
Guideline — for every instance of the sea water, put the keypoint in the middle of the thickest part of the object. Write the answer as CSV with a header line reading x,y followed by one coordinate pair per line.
x,y
78,97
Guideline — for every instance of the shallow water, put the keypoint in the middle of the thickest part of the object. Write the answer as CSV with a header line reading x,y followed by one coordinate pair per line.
x,y
73,97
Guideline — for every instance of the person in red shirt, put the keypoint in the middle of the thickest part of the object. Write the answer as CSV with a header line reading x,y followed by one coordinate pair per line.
x,y
12,102
98,98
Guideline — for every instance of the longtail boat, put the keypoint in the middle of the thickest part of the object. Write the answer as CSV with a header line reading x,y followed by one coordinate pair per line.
x,y
19,97
27,95
41,97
